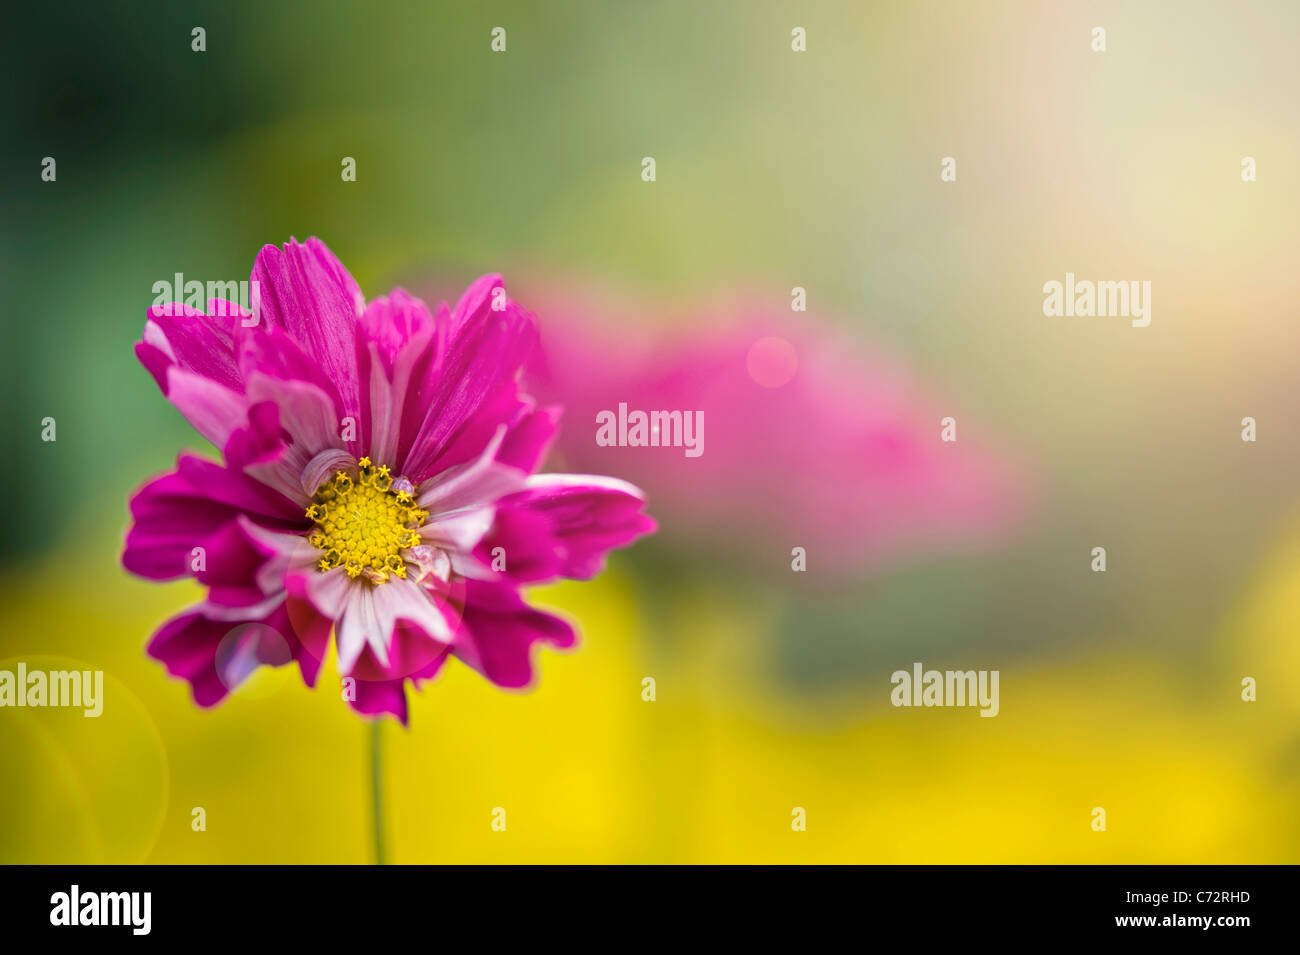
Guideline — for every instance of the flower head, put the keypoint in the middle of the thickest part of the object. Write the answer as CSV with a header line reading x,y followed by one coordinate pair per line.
x,y
814,437
377,486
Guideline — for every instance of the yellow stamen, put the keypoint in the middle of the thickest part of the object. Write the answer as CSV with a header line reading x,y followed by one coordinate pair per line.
x,y
366,525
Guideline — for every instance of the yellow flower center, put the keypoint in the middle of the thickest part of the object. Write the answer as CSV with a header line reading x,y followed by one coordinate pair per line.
x,y
363,525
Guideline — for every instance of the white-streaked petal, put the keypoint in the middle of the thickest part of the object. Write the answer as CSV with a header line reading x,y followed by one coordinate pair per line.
x,y
405,600
155,336
467,565
473,483
322,467
372,614
543,481
257,611
213,409
287,549
460,531
329,592
386,402
354,629
306,412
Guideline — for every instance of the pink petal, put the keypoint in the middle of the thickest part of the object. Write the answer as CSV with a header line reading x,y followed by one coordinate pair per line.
x,y
397,343
371,618
308,416
307,292
529,436
500,630
380,697
485,350
212,408
232,561
195,341
472,484
212,654
565,525
271,352
182,510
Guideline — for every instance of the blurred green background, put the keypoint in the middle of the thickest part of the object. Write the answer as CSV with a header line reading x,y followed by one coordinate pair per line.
x,y
774,169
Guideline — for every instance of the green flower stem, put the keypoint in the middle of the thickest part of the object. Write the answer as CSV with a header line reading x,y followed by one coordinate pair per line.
x,y
377,788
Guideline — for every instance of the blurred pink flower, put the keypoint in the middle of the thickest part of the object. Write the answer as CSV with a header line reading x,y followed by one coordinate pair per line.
x,y
809,439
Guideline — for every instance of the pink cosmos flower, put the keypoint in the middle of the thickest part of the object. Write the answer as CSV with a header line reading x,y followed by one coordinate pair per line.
x,y
810,436
377,483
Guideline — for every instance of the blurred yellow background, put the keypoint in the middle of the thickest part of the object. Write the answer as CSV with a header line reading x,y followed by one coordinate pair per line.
x,y
709,772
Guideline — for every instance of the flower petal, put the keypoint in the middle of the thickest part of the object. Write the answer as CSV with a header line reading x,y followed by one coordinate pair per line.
x,y
197,341
486,346
182,510
377,697
472,484
215,655
307,417
564,525
214,410
530,436
500,630
230,567
397,342
371,618
306,291
273,353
